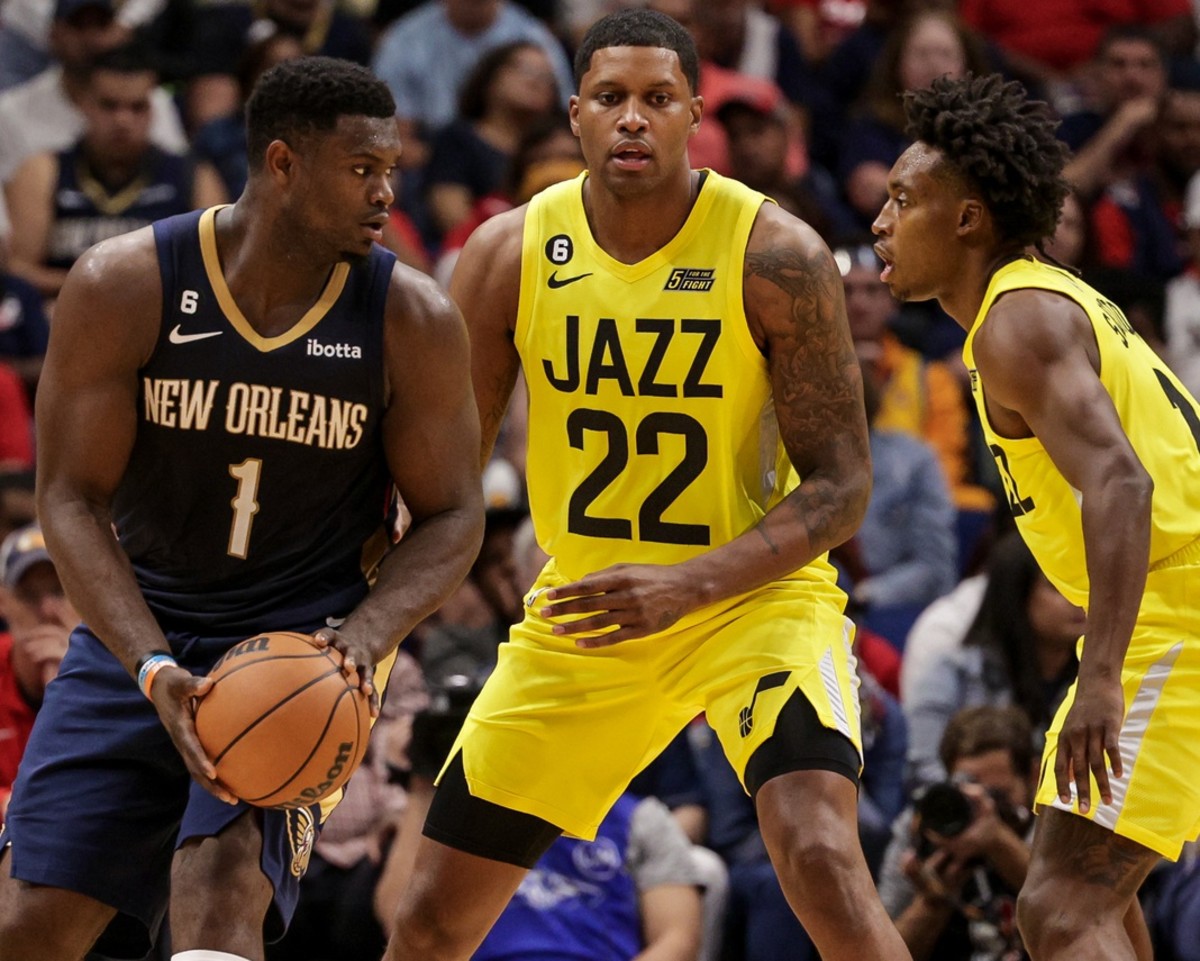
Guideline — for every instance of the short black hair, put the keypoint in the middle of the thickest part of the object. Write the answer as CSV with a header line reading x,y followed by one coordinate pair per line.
x,y
1131,33
978,730
298,98
639,28
1002,143
132,57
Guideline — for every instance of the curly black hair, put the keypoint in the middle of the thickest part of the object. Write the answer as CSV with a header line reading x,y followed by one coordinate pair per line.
x,y
298,98
639,28
1003,145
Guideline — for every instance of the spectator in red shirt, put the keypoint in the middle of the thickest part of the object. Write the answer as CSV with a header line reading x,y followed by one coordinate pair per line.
x,y
16,422
1137,221
1051,39
40,619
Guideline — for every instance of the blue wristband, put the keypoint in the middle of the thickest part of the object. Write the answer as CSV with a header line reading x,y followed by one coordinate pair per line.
x,y
149,666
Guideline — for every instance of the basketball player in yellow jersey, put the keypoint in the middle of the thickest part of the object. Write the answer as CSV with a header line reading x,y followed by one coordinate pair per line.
x,y
697,443
1096,441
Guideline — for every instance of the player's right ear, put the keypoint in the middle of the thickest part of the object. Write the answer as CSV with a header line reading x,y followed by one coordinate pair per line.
x,y
280,161
573,113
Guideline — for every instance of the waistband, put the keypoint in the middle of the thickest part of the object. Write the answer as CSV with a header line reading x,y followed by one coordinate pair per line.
x,y
1188,554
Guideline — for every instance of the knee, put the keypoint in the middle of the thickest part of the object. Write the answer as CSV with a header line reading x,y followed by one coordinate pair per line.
x,y
816,858
809,821
1048,921
431,930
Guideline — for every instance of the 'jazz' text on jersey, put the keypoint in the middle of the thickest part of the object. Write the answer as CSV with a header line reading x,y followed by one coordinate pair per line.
x,y
604,357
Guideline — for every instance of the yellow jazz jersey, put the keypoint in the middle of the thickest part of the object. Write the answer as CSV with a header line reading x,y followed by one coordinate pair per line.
x,y
1156,411
652,434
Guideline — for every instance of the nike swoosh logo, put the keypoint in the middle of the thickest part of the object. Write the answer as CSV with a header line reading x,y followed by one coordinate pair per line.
x,y
554,283
176,336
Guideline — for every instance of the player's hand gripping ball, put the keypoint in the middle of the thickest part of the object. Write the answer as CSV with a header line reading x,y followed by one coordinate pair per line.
x,y
283,725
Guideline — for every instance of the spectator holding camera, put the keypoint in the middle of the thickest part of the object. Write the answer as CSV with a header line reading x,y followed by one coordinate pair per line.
x,y
959,855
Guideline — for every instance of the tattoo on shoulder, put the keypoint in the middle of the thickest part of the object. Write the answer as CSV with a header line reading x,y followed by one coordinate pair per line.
x,y
811,338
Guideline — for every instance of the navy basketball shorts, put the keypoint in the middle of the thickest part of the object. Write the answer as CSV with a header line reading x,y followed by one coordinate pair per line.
x,y
103,799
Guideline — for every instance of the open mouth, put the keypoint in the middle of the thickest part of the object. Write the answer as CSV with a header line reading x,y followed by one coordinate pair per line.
x,y
888,262
373,228
631,156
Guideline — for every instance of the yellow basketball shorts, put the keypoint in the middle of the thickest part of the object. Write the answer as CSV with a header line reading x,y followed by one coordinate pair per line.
x,y
558,732
1156,801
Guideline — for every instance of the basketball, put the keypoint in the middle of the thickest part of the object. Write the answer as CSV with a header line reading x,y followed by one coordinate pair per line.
x,y
282,724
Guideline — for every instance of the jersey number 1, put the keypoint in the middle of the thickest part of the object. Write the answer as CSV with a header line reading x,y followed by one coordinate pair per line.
x,y
1181,404
244,504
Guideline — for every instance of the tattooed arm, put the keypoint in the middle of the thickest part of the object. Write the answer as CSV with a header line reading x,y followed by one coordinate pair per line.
x,y
486,286
797,314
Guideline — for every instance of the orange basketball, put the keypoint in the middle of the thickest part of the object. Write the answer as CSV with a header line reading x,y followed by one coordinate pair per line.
x,y
282,724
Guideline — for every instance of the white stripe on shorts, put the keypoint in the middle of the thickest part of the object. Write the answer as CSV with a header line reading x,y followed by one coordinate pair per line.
x,y
1129,742
833,690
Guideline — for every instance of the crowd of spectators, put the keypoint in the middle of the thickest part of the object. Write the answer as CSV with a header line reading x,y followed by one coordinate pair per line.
x,y
114,113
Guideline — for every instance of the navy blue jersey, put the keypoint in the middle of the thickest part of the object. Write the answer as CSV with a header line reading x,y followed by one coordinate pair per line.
x,y
257,484
86,212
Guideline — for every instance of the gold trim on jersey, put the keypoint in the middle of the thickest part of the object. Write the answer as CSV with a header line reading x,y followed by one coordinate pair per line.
x,y
109,204
233,313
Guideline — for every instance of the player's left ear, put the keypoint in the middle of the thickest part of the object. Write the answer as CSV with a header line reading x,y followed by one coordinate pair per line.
x,y
971,216
697,112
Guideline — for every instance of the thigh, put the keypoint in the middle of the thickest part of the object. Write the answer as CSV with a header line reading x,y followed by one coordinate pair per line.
x,y
99,795
238,867
40,923
756,665
219,892
558,732
1156,801
476,826
1085,864
450,904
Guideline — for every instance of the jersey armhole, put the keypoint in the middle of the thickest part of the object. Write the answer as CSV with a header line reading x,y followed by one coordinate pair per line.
x,y
527,295
736,300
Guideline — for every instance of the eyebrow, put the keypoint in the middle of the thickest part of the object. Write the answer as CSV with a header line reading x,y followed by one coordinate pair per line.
x,y
369,155
614,82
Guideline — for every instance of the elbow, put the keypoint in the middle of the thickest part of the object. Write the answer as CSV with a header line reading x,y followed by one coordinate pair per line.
x,y
857,490
1131,486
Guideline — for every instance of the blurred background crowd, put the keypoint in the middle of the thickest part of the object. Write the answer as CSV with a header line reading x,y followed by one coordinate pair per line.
x,y
114,113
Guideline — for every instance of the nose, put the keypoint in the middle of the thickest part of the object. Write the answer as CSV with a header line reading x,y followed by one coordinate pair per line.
x,y
883,222
632,119
382,194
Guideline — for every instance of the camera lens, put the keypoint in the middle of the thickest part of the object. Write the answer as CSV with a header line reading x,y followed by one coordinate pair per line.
x,y
944,809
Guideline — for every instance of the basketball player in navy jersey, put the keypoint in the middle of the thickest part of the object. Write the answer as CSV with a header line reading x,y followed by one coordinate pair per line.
x,y
235,393
697,443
